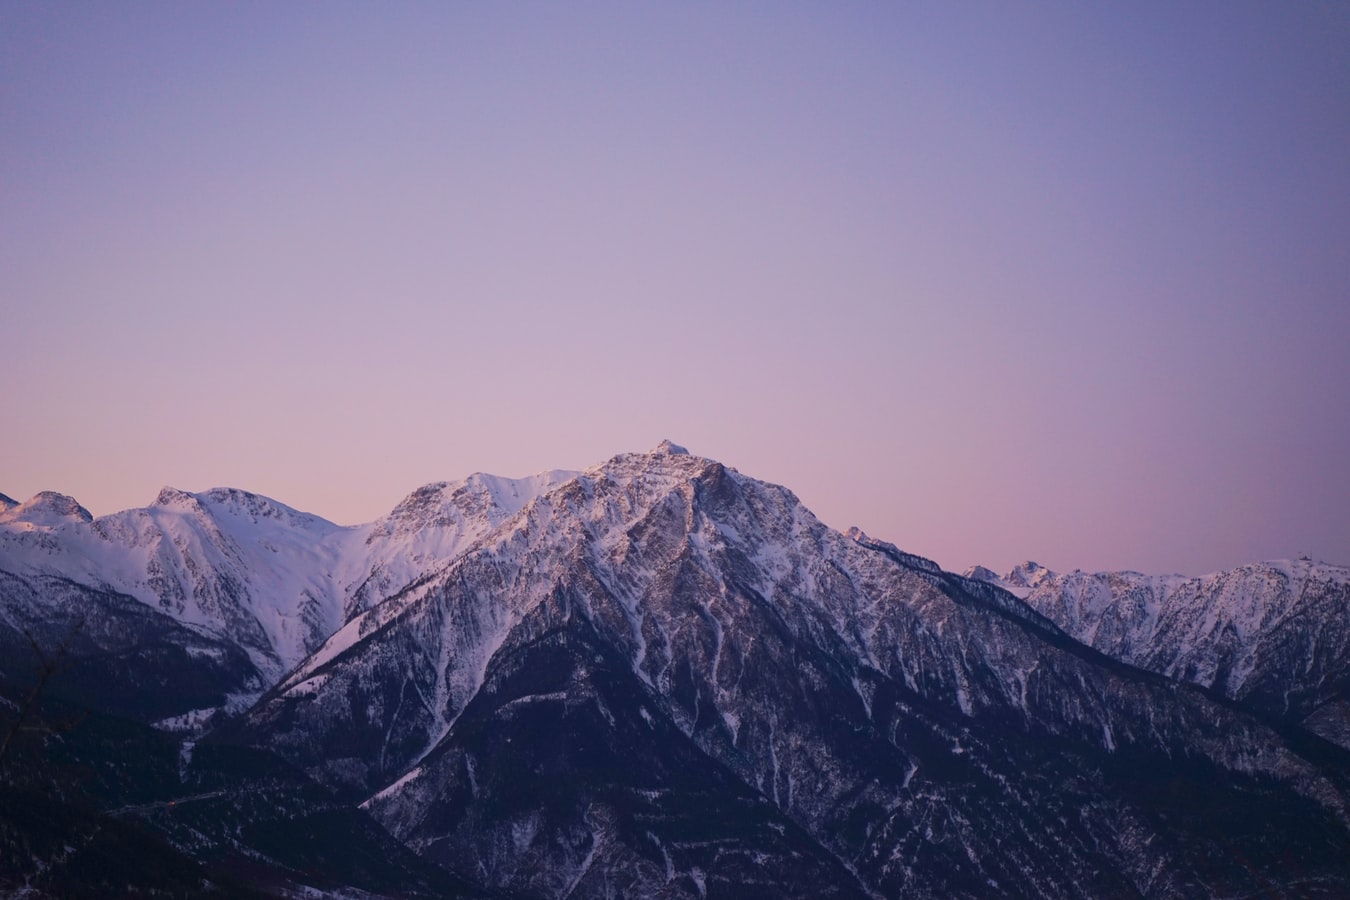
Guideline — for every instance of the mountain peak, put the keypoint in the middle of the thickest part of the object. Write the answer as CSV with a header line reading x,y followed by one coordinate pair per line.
x,y
171,496
666,460
482,497
669,448
258,507
7,503
762,704
982,573
236,496
1028,574
45,508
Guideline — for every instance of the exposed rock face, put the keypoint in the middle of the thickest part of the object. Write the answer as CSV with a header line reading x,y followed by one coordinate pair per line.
x,y
248,571
1275,635
559,706
662,678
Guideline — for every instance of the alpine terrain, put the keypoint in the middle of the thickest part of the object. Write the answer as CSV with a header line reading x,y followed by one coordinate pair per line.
x,y
1275,635
654,678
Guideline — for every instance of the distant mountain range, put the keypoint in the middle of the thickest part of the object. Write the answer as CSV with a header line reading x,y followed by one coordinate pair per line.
x,y
1273,635
654,678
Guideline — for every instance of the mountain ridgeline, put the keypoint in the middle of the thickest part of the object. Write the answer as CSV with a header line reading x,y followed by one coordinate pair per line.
x,y
662,678
1273,635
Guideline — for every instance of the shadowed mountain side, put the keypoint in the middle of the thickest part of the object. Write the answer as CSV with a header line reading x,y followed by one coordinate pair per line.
x,y
934,737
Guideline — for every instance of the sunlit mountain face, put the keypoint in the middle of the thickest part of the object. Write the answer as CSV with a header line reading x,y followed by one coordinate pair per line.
x,y
657,677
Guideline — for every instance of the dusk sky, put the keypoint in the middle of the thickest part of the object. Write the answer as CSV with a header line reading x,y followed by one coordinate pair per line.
x,y
1059,281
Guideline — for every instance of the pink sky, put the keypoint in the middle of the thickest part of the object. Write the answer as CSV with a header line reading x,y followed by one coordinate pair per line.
x,y
1065,284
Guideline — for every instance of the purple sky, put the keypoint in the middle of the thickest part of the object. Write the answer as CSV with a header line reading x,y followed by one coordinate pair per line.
x,y
991,281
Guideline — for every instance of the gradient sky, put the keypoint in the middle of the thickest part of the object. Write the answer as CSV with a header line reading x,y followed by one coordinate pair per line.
x,y
1060,281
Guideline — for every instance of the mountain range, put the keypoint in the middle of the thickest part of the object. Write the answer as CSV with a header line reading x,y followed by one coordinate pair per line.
x,y
1272,635
657,677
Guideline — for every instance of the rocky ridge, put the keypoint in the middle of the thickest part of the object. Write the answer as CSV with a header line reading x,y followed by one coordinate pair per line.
x,y
1273,635
660,677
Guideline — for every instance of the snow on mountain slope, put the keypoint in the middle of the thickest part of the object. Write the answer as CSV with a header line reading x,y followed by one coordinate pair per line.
x,y
271,579
45,510
429,528
234,563
1275,635
932,733
660,677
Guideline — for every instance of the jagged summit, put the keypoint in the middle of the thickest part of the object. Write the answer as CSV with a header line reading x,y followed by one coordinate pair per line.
x,y
232,503
667,463
45,509
456,504
1027,574
662,677
670,448
981,573
1274,634
258,508
662,609
172,496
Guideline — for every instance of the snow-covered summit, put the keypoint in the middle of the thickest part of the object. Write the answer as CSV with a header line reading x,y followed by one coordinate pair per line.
x,y
172,496
670,448
272,578
44,510
666,675
660,600
427,530
279,582
443,503
231,501
1026,575
980,573
1274,633
665,458
235,564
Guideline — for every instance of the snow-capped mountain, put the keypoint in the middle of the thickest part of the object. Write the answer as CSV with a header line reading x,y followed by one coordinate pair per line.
x,y
663,678
226,563
659,677
1274,635
247,570
429,528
